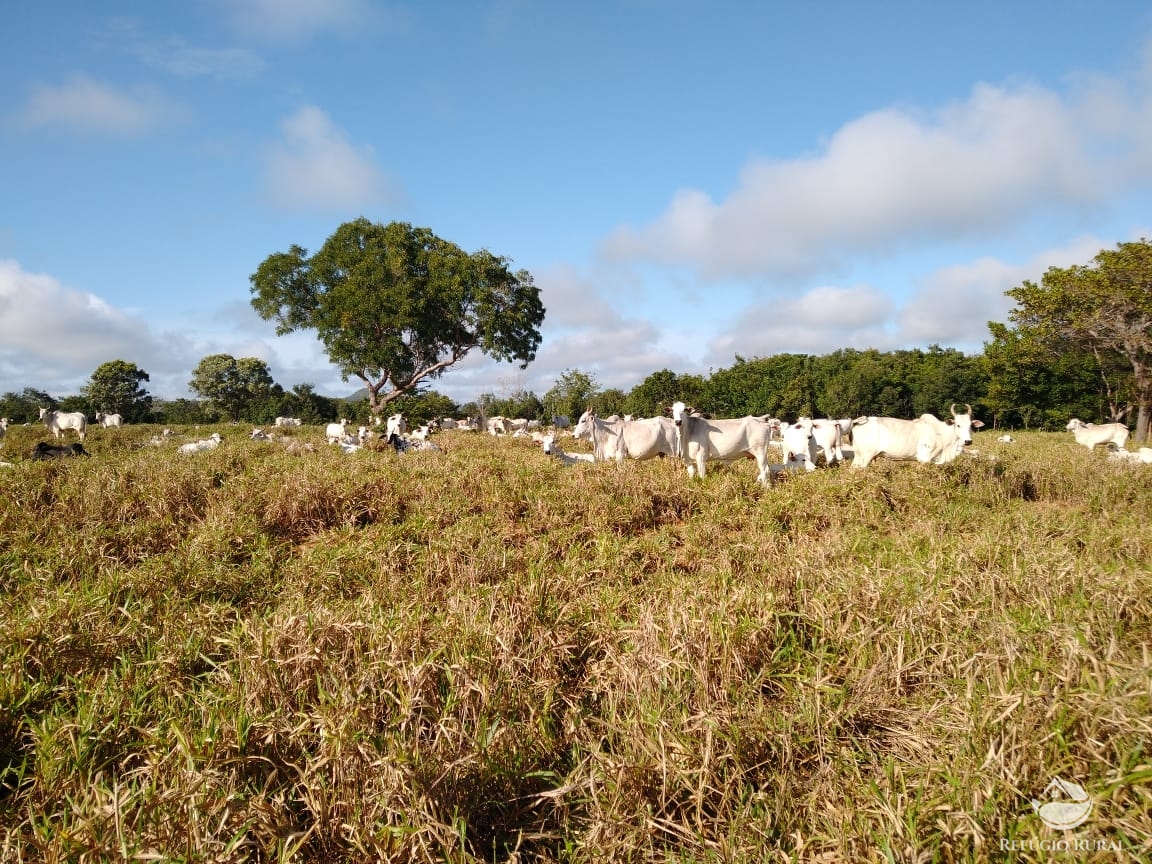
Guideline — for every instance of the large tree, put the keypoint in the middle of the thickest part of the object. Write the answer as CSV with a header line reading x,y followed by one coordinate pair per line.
x,y
1105,308
114,388
236,388
395,305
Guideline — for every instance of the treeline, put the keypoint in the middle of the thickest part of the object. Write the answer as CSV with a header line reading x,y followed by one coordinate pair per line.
x,y
1005,387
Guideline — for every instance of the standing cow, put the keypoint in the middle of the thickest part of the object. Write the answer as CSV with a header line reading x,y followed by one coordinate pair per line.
x,y
58,421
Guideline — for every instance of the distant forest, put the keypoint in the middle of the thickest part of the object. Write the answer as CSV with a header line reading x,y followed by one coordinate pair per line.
x,y
1005,388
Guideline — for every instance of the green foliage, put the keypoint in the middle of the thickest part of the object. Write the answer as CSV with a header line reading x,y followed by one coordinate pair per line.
x,y
115,388
395,305
571,394
182,411
234,388
520,403
418,408
24,407
651,396
1103,308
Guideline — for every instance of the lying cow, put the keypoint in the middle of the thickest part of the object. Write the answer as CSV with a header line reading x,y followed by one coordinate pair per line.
x,y
1090,435
44,450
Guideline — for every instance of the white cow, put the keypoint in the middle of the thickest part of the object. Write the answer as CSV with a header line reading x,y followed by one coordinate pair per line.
x,y
499,426
209,443
829,435
1006,439
701,439
109,420
1089,434
551,448
614,438
448,423
334,432
286,421
58,421
926,439
397,425
797,442
561,421
3,426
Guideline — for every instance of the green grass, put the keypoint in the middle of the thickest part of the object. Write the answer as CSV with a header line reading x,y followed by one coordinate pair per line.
x,y
483,655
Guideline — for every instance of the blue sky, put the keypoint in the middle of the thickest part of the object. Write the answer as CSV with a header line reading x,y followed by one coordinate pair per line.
x,y
685,181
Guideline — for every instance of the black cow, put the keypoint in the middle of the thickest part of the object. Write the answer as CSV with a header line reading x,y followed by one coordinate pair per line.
x,y
44,450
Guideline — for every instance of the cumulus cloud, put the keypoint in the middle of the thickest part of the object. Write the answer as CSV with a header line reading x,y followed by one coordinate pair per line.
x,y
314,165
53,337
892,179
816,322
950,306
91,107
953,305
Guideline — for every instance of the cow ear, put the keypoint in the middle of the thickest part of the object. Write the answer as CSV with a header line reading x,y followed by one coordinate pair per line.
x,y
977,423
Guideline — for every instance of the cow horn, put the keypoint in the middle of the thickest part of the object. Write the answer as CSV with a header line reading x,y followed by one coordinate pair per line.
x,y
969,407
953,409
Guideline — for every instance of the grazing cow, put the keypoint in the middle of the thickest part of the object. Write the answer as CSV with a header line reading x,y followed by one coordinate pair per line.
x,y
109,421
209,443
44,451
448,423
1006,439
614,438
334,432
499,426
286,421
551,448
927,439
58,421
1089,434
260,435
702,439
561,421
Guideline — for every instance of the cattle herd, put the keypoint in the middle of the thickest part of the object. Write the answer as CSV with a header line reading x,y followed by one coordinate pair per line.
x,y
682,433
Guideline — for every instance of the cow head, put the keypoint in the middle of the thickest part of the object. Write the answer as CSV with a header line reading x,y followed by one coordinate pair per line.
x,y
679,412
964,424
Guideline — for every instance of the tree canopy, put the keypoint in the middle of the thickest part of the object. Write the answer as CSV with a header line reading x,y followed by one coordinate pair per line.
x,y
234,387
395,305
1103,308
114,388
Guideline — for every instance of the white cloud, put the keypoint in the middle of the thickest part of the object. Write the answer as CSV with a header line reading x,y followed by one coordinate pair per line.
x,y
87,106
816,322
894,180
54,337
287,20
316,166
178,58
953,305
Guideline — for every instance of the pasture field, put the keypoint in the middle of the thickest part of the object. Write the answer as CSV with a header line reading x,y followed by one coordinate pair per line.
x,y
484,655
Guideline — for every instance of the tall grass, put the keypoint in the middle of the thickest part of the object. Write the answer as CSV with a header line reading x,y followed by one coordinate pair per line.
x,y
483,655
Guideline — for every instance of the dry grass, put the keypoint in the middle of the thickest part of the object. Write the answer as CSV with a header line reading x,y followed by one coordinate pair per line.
x,y
484,655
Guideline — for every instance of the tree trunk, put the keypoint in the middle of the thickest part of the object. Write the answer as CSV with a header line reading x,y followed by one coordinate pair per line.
x,y
1141,436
